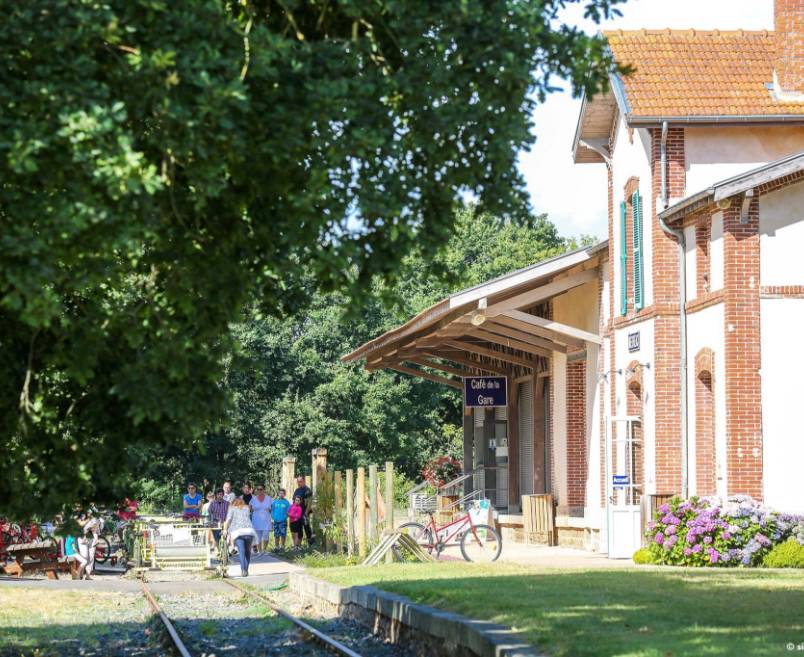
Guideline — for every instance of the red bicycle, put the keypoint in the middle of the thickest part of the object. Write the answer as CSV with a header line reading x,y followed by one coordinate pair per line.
x,y
479,543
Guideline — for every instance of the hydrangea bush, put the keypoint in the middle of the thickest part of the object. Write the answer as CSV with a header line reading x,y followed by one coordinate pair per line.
x,y
738,531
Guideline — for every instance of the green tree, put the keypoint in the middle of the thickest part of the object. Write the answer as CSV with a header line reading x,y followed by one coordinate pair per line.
x,y
164,164
292,393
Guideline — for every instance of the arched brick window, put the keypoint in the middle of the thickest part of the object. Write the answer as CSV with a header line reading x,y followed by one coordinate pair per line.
x,y
634,407
705,467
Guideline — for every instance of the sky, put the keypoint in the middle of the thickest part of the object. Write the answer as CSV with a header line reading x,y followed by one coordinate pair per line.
x,y
574,195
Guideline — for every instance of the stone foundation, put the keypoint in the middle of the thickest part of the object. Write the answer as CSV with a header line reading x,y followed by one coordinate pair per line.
x,y
428,631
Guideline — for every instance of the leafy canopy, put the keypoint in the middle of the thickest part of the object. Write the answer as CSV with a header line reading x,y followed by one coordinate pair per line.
x,y
163,164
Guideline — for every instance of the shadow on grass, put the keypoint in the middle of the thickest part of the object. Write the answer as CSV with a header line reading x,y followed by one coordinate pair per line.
x,y
614,613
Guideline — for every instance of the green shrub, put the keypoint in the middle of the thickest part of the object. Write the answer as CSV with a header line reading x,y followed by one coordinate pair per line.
x,y
643,556
789,554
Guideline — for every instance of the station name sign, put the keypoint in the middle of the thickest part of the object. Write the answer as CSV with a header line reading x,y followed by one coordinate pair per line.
x,y
485,391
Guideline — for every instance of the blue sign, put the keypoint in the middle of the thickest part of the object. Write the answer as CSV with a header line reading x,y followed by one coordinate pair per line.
x,y
620,481
485,391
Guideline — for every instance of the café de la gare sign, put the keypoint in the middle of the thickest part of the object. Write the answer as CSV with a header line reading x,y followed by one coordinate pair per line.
x,y
485,391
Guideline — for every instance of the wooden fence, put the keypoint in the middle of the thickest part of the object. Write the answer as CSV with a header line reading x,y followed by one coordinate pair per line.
x,y
351,509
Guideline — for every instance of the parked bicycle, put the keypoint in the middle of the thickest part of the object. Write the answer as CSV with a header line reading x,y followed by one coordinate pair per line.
x,y
14,534
478,542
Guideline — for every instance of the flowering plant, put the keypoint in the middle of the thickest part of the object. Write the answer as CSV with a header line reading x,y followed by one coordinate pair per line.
x,y
442,470
709,531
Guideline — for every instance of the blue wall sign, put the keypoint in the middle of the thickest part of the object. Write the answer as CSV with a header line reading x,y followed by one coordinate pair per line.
x,y
620,481
485,391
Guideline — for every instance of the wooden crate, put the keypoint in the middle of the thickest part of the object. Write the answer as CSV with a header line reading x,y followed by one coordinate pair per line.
x,y
539,519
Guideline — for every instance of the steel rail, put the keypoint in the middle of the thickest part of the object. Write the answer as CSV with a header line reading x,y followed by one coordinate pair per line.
x,y
174,635
327,641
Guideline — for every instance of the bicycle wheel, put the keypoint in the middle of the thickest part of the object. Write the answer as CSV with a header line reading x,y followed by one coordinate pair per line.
x,y
481,544
103,550
419,533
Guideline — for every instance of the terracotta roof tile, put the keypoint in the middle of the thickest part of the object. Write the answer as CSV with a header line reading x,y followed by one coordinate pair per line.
x,y
698,73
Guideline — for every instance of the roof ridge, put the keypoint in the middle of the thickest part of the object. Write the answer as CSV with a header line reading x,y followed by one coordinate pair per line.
x,y
692,32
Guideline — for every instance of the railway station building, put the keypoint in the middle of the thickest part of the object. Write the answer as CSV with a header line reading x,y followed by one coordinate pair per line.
x,y
665,360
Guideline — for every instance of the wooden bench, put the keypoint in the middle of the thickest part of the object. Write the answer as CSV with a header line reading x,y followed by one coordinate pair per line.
x,y
41,560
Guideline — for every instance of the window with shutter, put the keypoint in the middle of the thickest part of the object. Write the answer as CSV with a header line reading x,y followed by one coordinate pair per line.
x,y
636,214
623,263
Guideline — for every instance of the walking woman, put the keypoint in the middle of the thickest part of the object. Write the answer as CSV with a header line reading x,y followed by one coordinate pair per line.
x,y
240,532
261,518
87,543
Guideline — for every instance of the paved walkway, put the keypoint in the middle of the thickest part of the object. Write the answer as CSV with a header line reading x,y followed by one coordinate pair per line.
x,y
262,564
558,557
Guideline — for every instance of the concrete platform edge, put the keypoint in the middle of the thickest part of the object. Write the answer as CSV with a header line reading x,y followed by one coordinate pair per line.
x,y
401,616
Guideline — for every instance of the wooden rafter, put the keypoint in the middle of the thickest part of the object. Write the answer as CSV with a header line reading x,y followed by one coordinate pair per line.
x,y
543,293
557,327
505,320
468,362
516,334
504,341
418,360
424,375
491,353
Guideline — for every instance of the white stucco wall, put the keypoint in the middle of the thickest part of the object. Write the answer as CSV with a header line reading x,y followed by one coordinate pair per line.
x,y
631,157
623,358
714,154
705,328
782,409
690,261
717,263
559,437
781,230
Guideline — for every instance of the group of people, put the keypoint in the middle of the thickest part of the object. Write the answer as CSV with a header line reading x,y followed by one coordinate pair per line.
x,y
248,520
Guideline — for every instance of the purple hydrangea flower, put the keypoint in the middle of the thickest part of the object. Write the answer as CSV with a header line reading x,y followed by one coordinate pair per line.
x,y
659,538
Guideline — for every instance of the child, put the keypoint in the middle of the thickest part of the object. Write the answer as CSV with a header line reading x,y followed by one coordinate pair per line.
x,y
296,521
279,514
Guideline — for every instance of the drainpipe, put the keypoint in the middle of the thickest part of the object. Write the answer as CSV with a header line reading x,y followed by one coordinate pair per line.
x,y
682,297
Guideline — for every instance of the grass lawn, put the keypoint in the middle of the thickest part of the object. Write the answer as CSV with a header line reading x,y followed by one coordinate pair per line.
x,y
45,622
606,613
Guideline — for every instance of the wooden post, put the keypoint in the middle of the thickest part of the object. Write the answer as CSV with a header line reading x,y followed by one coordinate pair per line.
x,y
389,504
337,513
361,512
288,474
350,513
374,517
319,467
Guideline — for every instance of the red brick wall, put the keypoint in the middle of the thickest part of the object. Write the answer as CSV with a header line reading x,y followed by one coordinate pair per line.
x,y
703,231
667,372
576,433
743,353
705,476
789,27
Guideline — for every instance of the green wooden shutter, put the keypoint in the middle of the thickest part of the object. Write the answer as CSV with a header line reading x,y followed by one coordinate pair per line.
x,y
639,291
623,263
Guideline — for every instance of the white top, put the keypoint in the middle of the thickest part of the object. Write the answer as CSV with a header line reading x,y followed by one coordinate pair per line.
x,y
229,497
261,513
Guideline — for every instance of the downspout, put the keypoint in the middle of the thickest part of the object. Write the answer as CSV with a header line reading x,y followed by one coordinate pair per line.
x,y
682,316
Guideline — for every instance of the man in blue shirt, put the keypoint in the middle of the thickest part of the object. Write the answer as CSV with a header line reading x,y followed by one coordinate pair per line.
x,y
192,504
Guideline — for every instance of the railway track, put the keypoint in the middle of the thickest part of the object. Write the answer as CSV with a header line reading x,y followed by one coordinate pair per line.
x,y
309,632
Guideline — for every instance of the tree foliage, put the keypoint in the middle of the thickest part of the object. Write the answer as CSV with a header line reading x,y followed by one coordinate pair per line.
x,y
164,164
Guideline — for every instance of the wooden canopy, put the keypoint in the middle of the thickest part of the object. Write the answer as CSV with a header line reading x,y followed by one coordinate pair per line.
x,y
500,327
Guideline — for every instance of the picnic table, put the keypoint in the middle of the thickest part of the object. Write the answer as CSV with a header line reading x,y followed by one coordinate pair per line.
x,y
40,557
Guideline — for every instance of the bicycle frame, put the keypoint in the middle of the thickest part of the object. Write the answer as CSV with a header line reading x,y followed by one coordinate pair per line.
x,y
461,523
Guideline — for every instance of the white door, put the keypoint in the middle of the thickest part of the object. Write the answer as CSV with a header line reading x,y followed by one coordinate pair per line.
x,y
622,490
